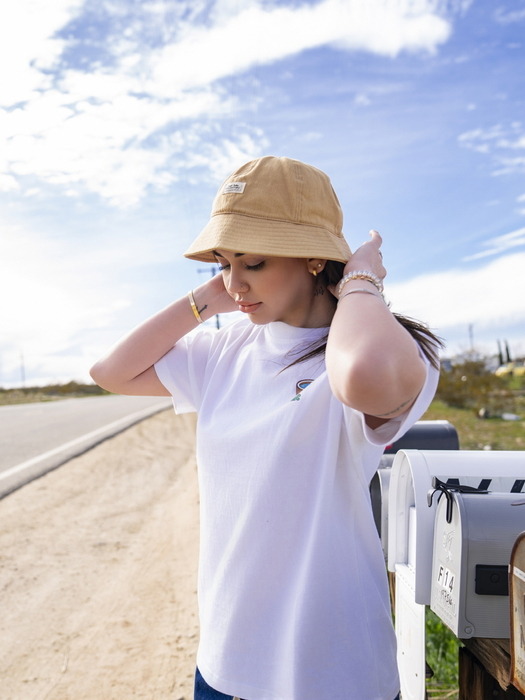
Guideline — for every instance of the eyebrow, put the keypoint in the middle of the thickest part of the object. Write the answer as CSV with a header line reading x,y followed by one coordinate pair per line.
x,y
236,255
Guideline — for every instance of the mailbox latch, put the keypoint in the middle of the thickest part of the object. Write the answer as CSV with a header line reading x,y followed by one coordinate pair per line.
x,y
448,489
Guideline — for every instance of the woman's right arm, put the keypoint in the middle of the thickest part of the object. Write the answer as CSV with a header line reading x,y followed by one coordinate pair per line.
x,y
128,366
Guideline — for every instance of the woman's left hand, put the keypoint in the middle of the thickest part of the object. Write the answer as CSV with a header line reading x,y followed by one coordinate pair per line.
x,y
368,257
373,363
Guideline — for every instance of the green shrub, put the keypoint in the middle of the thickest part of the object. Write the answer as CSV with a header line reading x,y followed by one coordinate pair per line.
x,y
470,384
442,657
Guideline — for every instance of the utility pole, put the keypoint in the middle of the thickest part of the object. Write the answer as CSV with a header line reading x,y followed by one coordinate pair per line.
x,y
214,270
22,369
471,336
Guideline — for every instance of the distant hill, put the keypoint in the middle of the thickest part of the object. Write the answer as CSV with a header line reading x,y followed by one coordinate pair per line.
x,y
52,392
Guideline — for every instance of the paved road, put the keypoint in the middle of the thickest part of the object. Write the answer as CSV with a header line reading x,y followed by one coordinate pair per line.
x,y
38,437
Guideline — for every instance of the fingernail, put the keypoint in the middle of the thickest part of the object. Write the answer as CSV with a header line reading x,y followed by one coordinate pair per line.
x,y
373,230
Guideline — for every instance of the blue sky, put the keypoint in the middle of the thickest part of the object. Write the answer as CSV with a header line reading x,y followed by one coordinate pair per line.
x,y
119,119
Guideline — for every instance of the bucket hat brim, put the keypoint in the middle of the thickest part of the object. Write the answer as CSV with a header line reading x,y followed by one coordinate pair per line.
x,y
247,234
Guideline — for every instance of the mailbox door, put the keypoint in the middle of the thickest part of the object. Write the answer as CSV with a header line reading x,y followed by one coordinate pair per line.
x,y
448,570
517,609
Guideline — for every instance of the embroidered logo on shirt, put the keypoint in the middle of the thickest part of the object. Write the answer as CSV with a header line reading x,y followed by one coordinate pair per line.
x,y
301,384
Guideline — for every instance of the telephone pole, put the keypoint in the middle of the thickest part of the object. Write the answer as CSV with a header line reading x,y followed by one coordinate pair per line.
x,y
214,270
22,369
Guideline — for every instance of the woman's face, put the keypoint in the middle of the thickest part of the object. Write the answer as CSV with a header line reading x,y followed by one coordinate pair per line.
x,y
270,288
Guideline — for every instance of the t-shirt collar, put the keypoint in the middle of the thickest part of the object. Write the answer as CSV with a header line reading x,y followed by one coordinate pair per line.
x,y
282,331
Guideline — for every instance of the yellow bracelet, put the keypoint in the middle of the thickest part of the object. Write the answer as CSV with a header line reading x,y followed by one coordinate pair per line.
x,y
194,307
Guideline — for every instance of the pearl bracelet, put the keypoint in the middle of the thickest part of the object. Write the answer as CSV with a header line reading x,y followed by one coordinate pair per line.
x,y
361,275
194,307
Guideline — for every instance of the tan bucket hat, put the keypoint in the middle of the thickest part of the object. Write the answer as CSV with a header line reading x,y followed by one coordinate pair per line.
x,y
274,206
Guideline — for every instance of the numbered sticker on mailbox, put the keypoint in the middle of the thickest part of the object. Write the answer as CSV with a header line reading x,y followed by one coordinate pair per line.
x,y
446,578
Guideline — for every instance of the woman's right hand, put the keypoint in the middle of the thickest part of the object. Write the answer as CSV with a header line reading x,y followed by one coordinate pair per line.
x,y
128,367
212,298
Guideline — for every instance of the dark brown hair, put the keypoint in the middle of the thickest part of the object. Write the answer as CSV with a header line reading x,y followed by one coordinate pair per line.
x,y
427,341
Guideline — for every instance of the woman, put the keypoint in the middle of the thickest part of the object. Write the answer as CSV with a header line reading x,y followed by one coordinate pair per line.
x,y
295,401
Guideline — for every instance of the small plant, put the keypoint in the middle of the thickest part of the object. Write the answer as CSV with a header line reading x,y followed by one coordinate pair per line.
x,y
442,657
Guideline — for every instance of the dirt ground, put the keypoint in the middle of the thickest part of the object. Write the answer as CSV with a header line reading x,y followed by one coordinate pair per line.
x,y
98,564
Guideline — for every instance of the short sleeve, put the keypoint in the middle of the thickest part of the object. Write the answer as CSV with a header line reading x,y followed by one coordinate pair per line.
x,y
398,426
182,370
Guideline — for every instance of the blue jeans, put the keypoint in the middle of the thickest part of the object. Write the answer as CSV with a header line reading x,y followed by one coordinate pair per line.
x,y
204,692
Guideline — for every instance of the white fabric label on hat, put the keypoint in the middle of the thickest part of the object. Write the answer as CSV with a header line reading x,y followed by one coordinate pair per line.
x,y
237,187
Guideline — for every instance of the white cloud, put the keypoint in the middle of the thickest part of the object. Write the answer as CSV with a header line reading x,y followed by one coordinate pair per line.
x,y
510,166
489,297
33,275
362,100
222,157
8,183
256,35
509,17
149,88
501,142
67,297
500,244
102,145
29,46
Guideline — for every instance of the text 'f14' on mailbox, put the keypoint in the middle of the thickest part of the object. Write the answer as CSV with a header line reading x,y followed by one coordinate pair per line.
x,y
473,540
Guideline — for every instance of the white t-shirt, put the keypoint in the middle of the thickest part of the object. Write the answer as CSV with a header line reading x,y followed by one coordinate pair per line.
x,y
293,593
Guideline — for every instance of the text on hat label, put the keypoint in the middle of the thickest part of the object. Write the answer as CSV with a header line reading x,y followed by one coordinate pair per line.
x,y
234,187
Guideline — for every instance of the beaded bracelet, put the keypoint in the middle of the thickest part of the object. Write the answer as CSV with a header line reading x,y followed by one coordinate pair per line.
x,y
194,307
361,275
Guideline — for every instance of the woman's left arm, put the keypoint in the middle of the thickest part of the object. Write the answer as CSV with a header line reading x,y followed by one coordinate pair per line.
x,y
373,363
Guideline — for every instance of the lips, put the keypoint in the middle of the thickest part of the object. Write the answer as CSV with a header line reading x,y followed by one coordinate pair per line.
x,y
248,308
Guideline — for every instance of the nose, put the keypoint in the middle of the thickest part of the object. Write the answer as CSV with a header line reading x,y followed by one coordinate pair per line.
x,y
236,284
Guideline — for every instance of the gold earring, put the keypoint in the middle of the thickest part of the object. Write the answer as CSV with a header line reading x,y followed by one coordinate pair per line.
x,y
314,273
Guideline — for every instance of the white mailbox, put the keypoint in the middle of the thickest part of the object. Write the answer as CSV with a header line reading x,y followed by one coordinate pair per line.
x,y
423,435
411,520
473,539
411,536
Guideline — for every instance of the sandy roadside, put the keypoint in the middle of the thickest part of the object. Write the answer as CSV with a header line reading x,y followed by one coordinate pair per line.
x,y
98,567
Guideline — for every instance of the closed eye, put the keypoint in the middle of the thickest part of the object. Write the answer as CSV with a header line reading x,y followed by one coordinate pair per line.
x,y
225,266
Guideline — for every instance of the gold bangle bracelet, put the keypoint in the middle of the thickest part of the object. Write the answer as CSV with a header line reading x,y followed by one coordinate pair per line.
x,y
361,290
194,307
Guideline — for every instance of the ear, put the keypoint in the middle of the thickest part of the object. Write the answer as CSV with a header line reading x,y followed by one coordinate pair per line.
x,y
315,266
